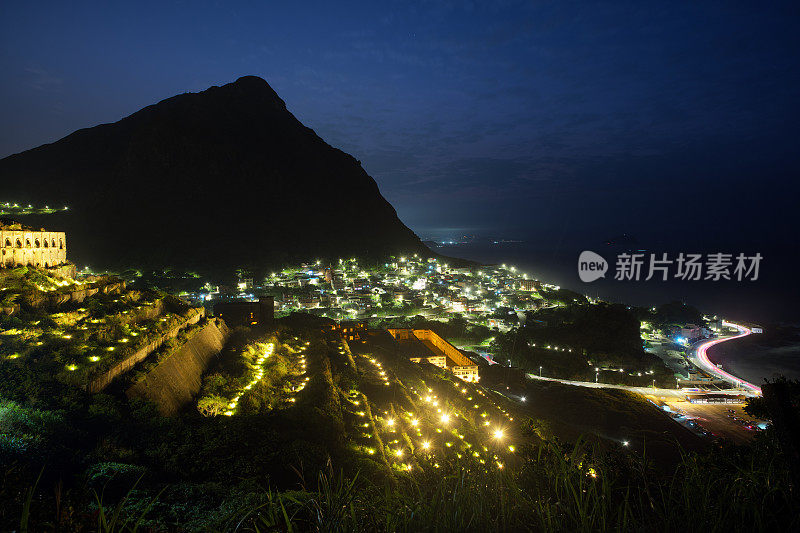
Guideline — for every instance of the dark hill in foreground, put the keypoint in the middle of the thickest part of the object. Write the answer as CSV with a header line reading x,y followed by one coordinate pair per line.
x,y
218,179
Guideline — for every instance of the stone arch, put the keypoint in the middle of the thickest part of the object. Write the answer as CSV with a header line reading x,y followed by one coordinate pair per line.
x,y
54,243
27,243
8,242
19,243
46,245
46,265
60,244
36,243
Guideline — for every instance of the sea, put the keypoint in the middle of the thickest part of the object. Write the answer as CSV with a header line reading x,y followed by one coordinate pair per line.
x,y
768,302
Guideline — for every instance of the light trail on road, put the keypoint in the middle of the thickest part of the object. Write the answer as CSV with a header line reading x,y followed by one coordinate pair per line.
x,y
710,367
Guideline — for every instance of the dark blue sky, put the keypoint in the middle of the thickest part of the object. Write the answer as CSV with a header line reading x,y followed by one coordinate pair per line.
x,y
542,119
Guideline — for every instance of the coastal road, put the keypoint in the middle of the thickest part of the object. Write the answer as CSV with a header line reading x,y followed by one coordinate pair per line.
x,y
700,359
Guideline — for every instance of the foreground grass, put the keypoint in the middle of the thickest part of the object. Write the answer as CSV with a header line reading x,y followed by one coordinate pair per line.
x,y
556,488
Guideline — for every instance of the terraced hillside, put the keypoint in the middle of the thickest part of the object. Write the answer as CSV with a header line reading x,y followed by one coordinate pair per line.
x,y
382,408
85,340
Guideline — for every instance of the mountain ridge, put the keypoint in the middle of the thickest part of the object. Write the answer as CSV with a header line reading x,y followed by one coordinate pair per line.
x,y
257,185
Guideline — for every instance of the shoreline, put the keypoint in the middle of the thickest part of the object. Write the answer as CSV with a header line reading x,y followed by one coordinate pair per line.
x,y
701,353
756,362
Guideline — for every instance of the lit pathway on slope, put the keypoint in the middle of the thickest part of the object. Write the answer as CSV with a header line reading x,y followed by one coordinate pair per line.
x,y
593,385
704,363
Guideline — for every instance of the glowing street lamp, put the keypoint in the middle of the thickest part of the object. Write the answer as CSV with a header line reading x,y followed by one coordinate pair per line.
x,y
498,434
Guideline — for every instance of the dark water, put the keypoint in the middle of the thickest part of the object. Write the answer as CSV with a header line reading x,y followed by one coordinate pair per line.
x,y
759,357
770,301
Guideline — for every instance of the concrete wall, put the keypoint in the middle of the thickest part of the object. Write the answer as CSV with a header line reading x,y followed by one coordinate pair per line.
x,y
176,380
428,335
451,351
463,366
34,248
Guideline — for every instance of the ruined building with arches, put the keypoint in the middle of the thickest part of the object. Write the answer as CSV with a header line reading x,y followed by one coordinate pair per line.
x,y
24,246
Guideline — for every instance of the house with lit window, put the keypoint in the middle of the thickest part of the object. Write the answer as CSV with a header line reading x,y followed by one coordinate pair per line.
x,y
351,330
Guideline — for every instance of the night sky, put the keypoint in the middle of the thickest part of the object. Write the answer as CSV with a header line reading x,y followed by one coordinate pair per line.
x,y
554,121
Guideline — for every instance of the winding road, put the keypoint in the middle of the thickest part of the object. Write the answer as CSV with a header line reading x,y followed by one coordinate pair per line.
x,y
702,361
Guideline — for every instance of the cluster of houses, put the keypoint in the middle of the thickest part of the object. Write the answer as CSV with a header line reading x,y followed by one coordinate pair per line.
x,y
404,286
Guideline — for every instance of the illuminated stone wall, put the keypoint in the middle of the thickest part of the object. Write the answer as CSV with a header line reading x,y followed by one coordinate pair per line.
x,y
24,246
456,361
448,349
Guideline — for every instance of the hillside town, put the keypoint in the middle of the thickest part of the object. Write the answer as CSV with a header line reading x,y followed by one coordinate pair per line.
x,y
406,286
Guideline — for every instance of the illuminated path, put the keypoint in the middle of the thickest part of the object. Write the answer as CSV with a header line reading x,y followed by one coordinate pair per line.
x,y
704,363
647,391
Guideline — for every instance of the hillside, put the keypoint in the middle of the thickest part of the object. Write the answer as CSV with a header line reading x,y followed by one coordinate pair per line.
x,y
220,179
296,429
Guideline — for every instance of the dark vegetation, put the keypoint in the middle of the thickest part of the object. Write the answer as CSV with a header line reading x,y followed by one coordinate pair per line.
x,y
570,341
676,313
563,296
456,329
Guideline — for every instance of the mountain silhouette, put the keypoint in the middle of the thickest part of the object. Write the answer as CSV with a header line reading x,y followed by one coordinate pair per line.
x,y
220,179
